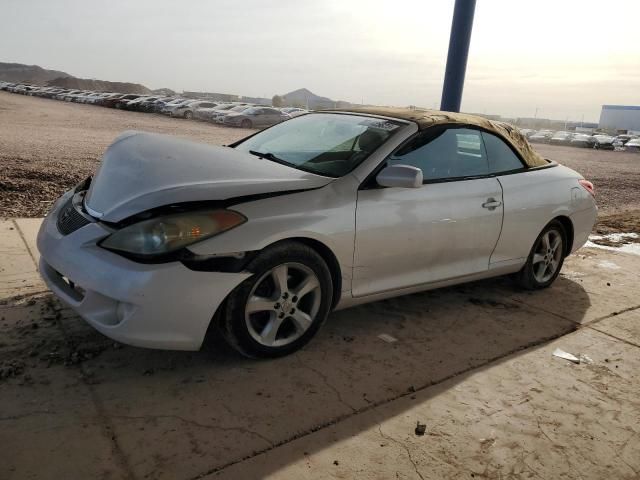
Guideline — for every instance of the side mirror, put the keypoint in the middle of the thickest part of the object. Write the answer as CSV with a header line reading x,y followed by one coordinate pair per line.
x,y
402,176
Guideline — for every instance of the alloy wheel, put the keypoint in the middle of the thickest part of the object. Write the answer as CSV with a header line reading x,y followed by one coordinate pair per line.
x,y
547,256
283,304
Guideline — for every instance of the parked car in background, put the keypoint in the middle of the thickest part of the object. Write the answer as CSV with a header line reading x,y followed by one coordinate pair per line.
x,y
604,142
294,111
206,114
218,117
176,106
66,96
136,104
187,110
150,105
541,136
211,114
561,138
253,117
122,102
110,102
158,105
633,145
88,97
621,140
110,96
527,132
582,140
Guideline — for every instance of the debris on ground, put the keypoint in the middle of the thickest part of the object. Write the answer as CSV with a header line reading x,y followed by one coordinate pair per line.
x,y
421,428
566,355
581,358
585,359
387,338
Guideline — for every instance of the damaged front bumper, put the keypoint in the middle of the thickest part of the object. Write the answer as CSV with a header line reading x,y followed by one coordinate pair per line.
x,y
167,306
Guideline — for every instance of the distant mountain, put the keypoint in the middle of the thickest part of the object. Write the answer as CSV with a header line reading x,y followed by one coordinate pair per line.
x,y
167,92
98,85
36,75
18,72
307,99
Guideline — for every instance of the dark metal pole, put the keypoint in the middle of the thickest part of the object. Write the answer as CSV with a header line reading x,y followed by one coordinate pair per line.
x,y
458,52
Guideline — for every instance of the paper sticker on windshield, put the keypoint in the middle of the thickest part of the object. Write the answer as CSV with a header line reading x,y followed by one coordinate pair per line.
x,y
381,124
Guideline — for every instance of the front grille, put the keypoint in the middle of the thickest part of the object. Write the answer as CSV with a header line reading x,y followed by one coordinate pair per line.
x,y
69,219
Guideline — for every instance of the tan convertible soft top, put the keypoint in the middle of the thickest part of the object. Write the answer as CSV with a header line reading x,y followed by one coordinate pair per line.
x,y
429,118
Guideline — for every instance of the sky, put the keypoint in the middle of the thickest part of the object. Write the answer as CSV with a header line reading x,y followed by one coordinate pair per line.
x,y
561,58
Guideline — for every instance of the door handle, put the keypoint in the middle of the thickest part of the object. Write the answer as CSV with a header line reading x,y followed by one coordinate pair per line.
x,y
491,204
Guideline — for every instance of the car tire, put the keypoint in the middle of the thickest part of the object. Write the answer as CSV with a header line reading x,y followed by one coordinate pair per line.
x,y
545,259
268,300
246,123
188,115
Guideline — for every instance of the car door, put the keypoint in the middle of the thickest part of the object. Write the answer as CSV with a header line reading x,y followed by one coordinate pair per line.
x,y
530,200
445,229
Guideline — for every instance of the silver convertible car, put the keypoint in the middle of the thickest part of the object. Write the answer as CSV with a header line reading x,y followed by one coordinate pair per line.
x,y
261,239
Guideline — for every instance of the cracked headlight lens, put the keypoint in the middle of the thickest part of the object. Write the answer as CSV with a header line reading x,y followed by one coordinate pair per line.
x,y
169,233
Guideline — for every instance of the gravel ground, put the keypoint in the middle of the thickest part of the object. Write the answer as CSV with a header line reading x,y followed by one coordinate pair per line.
x,y
615,175
47,146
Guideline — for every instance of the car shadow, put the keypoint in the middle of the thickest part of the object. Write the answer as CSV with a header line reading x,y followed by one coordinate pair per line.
x,y
183,414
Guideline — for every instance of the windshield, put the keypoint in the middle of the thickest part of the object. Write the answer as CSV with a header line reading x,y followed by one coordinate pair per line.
x,y
327,144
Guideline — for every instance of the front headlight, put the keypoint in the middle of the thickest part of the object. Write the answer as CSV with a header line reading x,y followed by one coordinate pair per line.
x,y
169,233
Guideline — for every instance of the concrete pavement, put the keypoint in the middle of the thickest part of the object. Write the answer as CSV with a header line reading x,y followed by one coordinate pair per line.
x,y
472,362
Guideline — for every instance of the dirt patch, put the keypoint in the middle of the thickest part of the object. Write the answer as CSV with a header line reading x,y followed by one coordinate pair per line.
x,y
628,222
38,340
617,229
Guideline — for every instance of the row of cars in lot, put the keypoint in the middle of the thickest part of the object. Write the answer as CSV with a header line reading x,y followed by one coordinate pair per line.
x,y
236,114
584,140
249,115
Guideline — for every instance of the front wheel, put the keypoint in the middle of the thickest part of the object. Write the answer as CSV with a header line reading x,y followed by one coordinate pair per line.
x,y
188,115
246,123
281,307
545,259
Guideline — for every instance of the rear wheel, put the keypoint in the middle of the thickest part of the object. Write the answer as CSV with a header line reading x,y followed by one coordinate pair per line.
x,y
280,308
188,114
545,259
246,123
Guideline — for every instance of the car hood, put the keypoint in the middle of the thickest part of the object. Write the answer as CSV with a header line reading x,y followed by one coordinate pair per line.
x,y
141,171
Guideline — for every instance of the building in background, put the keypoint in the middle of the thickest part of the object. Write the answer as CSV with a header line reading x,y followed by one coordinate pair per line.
x,y
620,117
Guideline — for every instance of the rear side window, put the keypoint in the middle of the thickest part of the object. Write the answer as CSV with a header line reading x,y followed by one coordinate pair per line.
x,y
452,153
501,157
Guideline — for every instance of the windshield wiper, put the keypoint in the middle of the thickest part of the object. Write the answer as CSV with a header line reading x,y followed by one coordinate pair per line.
x,y
269,156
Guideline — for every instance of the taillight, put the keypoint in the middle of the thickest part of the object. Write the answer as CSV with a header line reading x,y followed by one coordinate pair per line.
x,y
588,186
